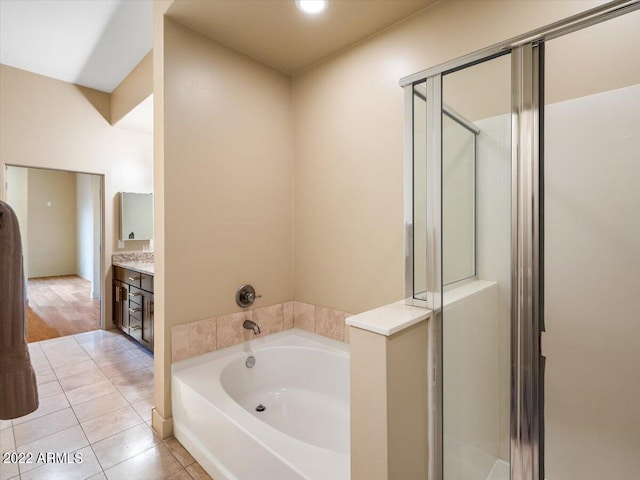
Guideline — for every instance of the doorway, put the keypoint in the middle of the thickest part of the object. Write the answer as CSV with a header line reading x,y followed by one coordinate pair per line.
x,y
60,217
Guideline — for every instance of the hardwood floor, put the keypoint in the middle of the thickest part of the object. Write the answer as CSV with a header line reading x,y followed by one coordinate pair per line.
x,y
60,306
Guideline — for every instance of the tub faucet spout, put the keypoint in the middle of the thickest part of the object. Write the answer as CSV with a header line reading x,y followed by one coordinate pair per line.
x,y
249,325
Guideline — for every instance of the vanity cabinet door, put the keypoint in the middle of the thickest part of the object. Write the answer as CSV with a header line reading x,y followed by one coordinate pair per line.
x,y
147,321
121,305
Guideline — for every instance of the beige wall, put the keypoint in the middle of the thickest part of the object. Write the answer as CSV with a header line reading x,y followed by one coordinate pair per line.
x,y
52,223
226,182
228,174
348,138
17,185
52,124
137,86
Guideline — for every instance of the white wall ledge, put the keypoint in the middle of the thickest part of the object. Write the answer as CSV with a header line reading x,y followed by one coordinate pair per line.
x,y
389,319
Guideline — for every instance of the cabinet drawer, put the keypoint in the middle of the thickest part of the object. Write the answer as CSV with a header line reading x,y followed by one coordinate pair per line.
x,y
135,297
135,328
127,276
135,312
146,282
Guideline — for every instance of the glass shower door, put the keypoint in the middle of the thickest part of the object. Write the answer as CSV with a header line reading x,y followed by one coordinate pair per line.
x,y
476,271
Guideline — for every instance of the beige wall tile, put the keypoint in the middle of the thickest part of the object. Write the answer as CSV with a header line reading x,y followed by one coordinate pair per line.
x,y
230,330
347,329
287,308
193,339
304,316
269,319
329,323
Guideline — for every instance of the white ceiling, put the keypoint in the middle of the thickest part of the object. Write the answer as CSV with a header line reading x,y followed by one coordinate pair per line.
x,y
276,33
96,43
93,43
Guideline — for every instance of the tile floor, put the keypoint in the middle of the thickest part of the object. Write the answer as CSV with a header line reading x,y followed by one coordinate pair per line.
x,y
96,394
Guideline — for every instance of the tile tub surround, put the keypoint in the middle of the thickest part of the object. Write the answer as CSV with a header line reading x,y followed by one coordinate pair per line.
x,y
137,261
203,336
96,395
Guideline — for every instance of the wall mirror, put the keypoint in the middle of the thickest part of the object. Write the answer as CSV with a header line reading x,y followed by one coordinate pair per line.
x,y
136,216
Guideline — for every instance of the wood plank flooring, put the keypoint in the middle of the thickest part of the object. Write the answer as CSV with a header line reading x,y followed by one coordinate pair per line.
x,y
60,306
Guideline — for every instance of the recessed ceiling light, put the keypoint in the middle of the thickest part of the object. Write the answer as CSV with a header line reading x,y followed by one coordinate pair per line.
x,y
311,6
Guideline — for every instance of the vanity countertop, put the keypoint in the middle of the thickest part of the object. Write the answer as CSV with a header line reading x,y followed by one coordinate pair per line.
x,y
140,267
141,262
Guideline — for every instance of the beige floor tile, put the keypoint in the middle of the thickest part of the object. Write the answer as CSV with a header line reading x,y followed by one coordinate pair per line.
x,y
110,357
197,472
64,441
67,471
47,405
48,389
45,375
87,366
181,474
97,407
82,379
98,476
135,394
9,471
41,427
141,377
88,392
124,445
68,358
120,368
155,463
7,443
5,424
97,344
143,408
114,422
178,451
143,355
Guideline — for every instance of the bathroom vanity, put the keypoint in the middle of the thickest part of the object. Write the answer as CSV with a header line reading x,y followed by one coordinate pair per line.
x,y
133,297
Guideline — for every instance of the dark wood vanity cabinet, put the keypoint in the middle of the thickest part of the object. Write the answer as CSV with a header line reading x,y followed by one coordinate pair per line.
x,y
133,304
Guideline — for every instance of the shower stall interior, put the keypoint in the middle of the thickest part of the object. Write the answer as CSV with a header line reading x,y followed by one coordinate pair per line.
x,y
523,236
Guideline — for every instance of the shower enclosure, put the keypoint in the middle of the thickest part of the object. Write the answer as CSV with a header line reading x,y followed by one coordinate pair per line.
x,y
515,157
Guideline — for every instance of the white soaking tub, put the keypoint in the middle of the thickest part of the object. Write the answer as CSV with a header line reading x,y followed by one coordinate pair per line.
x,y
300,378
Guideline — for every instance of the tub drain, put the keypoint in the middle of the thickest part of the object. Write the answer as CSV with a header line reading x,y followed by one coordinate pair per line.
x,y
260,408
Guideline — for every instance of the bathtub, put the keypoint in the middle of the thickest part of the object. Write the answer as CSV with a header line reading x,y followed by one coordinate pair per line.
x,y
300,378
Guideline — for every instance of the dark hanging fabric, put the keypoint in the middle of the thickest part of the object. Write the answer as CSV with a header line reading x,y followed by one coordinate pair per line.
x,y
18,389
